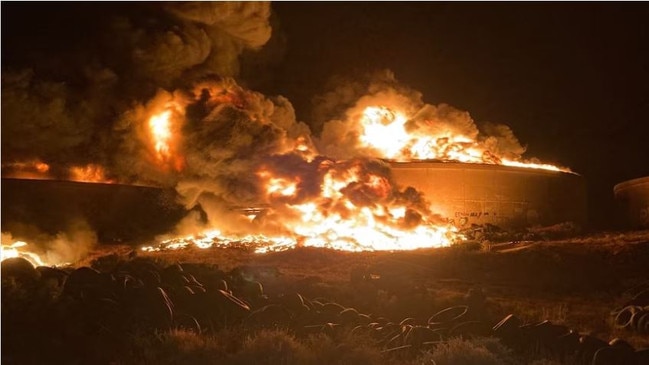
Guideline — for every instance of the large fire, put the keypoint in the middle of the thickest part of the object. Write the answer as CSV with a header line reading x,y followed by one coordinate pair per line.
x,y
348,201
354,206
347,204
384,130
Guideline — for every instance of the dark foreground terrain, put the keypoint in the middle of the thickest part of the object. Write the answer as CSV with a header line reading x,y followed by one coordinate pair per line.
x,y
576,301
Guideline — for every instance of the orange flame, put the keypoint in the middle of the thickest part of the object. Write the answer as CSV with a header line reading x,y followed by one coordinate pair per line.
x,y
17,249
355,210
276,187
384,130
162,127
350,205
89,173
35,169
161,132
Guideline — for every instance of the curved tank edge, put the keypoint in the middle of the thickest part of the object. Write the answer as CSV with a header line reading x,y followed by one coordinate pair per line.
x,y
630,183
478,166
577,202
632,199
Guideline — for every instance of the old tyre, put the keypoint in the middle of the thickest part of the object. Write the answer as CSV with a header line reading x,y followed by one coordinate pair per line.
x,y
448,315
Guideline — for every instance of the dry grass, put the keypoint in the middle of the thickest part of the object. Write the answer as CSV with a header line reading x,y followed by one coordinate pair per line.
x,y
576,282
573,282
279,347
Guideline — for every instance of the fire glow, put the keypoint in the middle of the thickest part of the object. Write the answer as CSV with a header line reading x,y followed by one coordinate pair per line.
x,y
35,169
356,208
164,137
90,173
385,131
350,203
240,142
161,132
19,249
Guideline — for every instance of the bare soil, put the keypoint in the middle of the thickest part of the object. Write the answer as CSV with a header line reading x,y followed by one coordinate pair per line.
x,y
576,282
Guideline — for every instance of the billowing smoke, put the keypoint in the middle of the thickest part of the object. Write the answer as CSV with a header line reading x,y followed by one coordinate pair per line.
x,y
156,102
68,108
347,102
69,245
83,105
228,133
222,134
364,183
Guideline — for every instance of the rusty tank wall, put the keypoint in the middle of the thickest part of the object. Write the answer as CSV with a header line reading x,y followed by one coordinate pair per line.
x,y
508,197
117,213
632,197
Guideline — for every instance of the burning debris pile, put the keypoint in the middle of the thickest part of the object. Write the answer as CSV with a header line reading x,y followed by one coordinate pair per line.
x,y
221,146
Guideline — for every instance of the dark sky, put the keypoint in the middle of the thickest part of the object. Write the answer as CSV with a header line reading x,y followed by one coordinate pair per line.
x,y
570,79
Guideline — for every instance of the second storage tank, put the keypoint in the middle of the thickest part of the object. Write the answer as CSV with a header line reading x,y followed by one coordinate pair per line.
x,y
508,197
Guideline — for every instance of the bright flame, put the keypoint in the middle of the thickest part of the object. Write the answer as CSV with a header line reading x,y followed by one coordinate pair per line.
x,y
278,186
163,130
17,249
531,165
160,127
213,238
355,209
385,131
359,226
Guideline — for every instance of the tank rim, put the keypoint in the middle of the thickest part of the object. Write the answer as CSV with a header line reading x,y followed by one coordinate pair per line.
x,y
477,166
631,183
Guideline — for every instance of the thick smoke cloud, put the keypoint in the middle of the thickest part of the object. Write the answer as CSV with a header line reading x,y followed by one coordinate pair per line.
x,y
68,108
338,111
80,90
173,67
225,133
69,245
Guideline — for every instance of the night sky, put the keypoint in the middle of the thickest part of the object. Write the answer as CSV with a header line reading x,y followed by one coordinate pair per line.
x,y
571,80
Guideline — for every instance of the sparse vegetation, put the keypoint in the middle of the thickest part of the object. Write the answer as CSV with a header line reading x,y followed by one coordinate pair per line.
x,y
574,284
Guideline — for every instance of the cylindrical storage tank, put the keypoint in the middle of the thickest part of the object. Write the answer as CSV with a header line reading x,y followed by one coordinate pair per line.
x,y
117,213
504,196
632,197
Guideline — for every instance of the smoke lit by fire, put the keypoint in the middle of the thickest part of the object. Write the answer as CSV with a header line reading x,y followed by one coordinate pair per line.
x,y
35,169
39,170
223,147
393,123
44,249
90,173
18,249
384,130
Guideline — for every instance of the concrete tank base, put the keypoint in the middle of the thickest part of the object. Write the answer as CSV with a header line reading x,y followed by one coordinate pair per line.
x,y
504,196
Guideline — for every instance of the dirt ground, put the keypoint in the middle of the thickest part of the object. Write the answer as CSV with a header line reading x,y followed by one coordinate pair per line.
x,y
576,282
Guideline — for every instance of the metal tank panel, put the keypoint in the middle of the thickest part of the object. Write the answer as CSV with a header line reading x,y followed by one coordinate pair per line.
x,y
508,197
115,212
632,197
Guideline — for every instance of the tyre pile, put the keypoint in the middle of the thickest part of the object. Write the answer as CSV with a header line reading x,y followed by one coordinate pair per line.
x,y
634,315
141,296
